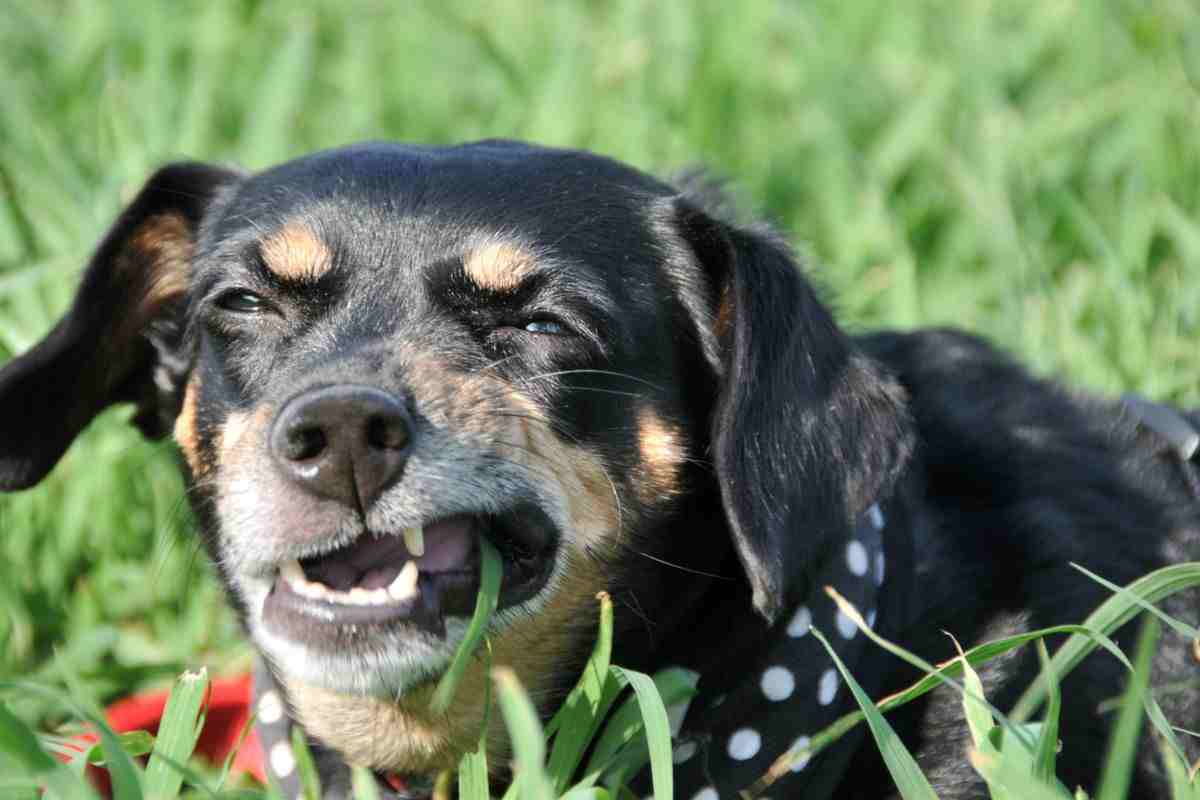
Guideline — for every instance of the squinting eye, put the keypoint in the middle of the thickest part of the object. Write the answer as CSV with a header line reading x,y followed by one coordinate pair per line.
x,y
544,326
240,301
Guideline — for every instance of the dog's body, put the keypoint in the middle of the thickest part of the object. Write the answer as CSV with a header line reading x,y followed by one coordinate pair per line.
x,y
621,391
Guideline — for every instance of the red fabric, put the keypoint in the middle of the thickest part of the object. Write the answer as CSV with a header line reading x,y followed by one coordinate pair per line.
x,y
229,701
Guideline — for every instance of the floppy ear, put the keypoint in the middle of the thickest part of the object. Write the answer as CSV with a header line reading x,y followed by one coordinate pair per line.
x,y
807,431
115,343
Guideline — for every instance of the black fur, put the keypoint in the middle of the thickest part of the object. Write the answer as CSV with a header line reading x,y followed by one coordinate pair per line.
x,y
793,427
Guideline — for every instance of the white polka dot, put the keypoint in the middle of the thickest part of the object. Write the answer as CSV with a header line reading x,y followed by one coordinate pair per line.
x,y
683,751
675,715
846,626
827,688
801,622
801,762
876,517
880,566
282,760
707,793
270,707
871,618
856,557
778,683
744,744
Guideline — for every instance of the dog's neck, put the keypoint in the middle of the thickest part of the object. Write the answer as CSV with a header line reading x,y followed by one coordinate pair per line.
x,y
764,691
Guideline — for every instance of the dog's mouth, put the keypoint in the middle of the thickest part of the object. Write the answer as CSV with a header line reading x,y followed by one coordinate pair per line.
x,y
417,577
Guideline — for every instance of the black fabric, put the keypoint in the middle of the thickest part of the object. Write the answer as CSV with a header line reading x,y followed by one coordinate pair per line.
x,y
752,734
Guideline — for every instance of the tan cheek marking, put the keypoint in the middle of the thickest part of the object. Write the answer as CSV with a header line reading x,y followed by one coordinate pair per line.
x,y
403,736
186,434
240,432
498,266
663,450
297,253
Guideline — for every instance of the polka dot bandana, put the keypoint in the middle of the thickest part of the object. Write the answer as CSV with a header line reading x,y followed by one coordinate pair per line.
x,y
750,734
274,726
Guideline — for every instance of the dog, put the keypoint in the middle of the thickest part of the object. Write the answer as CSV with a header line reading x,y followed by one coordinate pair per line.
x,y
375,356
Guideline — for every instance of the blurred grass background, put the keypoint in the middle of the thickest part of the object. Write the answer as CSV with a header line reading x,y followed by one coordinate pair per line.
x,y
1029,170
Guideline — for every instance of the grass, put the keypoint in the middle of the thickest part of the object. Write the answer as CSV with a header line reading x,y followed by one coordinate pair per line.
x,y
1025,169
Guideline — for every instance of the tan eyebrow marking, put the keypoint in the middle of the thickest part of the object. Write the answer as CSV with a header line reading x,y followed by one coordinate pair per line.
x,y
297,253
498,266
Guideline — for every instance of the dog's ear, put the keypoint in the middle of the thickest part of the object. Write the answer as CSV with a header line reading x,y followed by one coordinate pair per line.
x,y
115,343
807,432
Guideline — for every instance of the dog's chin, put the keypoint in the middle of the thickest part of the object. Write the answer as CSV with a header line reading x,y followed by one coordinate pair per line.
x,y
384,613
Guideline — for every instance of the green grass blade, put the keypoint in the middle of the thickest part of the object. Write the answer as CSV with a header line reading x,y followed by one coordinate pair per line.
x,y
1177,625
586,793
979,719
1122,749
977,698
657,728
909,779
579,717
182,721
472,768
365,787
229,759
306,768
1110,615
530,781
21,744
1182,786
1012,779
1046,750
485,606
980,654
621,749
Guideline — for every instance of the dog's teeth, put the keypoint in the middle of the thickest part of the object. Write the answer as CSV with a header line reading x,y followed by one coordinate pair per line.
x,y
293,573
414,540
359,596
315,590
405,584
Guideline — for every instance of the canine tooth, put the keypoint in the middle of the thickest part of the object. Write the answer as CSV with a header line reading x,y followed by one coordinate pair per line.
x,y
293,573
414,540
405,584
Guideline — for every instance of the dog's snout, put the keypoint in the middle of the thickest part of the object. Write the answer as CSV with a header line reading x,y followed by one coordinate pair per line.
x,y
346,442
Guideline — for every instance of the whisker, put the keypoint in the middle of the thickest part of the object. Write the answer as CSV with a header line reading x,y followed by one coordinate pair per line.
x,y
673,565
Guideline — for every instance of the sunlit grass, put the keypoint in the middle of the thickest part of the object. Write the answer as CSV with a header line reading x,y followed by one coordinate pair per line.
x,y
1025,169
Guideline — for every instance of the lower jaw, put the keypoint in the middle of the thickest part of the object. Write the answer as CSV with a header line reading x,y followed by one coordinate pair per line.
x,y
414,633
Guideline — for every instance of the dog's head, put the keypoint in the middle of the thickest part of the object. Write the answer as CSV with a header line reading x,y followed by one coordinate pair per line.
x,y
373,357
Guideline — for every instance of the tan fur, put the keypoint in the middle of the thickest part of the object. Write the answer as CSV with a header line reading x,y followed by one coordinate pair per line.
x,y
240,433
153,269
187,436
663,449
498,266
296,252
402,735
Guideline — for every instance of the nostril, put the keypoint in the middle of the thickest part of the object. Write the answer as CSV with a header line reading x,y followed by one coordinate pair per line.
x,y
386,433
305,443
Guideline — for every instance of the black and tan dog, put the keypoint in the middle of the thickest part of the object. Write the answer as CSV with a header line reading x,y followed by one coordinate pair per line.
x,y
373,356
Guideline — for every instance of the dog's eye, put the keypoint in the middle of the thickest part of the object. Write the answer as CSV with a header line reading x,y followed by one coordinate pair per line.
x,y
547,326
240,301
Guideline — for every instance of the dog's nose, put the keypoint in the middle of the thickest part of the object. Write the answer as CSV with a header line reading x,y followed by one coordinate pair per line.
x,y
346,443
